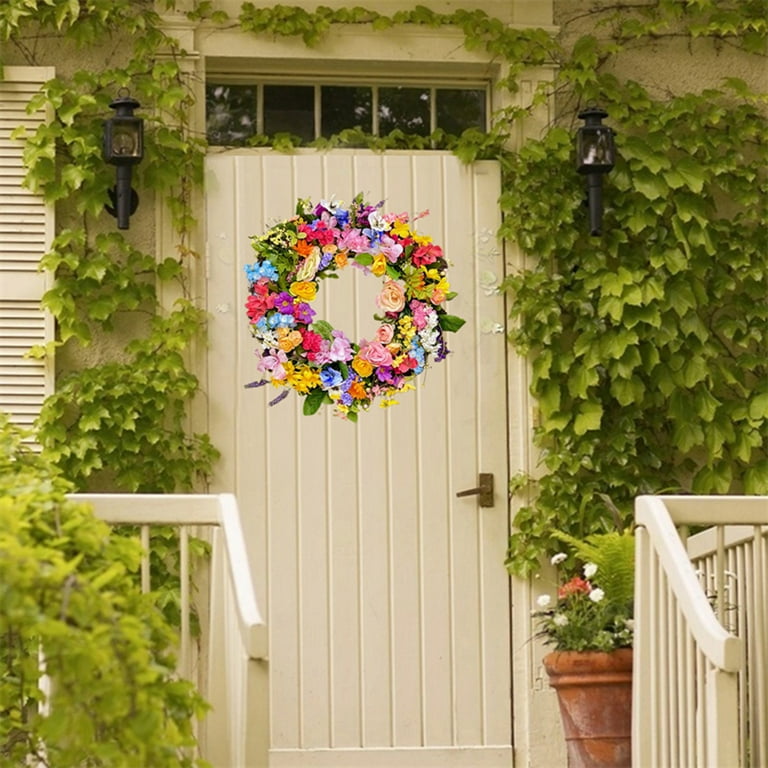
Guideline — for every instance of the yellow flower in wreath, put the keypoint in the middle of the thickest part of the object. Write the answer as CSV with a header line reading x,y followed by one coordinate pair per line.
x,y
304,290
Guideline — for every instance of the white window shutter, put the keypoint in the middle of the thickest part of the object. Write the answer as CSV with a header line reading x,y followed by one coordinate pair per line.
x,y
26,232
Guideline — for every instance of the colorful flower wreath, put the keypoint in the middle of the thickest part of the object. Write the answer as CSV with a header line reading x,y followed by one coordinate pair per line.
x,y
309,355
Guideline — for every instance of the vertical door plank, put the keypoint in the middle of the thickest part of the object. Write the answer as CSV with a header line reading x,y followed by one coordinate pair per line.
x,y
494,522
464,369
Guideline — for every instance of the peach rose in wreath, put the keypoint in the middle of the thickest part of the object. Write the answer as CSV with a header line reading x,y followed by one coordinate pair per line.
x,y
392,297
384,334
376,354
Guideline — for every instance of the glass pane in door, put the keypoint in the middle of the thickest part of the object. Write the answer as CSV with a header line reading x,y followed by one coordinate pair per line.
x,y
461,108
290,109
404,108
230,113
345,107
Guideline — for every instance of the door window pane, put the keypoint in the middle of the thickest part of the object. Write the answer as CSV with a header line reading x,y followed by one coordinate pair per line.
x,y
459,109
404,108
230,113
345,107
290,109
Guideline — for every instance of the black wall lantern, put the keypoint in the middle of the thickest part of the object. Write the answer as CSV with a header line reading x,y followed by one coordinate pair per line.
x,y
123,147
595,156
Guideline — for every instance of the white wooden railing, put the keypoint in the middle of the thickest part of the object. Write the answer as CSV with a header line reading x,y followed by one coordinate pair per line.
x,y
228,660
700,684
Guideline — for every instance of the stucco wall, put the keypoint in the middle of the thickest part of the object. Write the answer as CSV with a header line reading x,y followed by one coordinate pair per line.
x,y
670,65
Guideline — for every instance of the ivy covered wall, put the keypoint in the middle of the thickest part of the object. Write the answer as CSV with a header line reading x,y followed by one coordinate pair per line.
x,y
647,345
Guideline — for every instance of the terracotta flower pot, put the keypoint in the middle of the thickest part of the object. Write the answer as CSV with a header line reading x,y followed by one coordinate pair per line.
x,y
594,690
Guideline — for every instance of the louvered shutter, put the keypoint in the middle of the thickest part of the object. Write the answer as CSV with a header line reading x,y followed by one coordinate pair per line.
x,y
26,231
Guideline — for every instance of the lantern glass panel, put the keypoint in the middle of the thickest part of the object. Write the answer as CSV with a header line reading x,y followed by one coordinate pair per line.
x,y
595,149
124,139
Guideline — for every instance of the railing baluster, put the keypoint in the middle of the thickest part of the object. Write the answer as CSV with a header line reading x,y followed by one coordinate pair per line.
x,y
688,683
184,575
720,593
145,577
759,664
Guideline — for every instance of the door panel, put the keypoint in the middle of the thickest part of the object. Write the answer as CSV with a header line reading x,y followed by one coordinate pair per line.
x,y
386,596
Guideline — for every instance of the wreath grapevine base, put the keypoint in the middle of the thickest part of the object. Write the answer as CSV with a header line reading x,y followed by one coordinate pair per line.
x,y
298,351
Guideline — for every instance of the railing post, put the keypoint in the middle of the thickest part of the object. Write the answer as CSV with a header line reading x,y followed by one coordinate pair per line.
x,y
257,729
642,719
721,735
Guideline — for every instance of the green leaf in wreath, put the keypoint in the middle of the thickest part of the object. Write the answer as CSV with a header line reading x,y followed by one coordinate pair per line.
x,y
451,322
364,259
324,328
314,400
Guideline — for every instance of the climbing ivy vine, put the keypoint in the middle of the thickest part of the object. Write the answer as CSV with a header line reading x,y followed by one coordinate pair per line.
x,y
647,345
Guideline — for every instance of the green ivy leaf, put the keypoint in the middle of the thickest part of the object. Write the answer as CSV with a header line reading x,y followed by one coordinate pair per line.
x,y
691,172
758,407
589,416
650,185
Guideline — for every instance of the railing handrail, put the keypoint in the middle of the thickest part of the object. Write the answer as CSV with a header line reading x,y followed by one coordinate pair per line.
x,y
195,509
705,542
709,510
655,514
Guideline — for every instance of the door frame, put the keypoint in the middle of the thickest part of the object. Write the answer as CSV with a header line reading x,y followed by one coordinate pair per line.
x,y
534,704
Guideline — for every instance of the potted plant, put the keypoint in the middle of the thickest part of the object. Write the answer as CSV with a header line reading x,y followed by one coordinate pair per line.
x,y
590,625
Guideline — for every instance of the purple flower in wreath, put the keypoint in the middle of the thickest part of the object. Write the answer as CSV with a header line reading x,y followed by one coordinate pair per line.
x,y
386,375
284,303
325,260
303,313
442,351
346,398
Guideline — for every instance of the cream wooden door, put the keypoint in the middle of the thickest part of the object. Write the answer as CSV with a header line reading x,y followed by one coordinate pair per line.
x,y
386,595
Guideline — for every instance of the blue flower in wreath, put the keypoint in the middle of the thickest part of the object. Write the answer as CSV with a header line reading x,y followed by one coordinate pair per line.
x,y
279,320
417,353
261,269
330,377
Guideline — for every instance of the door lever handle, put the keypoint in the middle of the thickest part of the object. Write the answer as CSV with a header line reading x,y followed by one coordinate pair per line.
x,y
484,491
